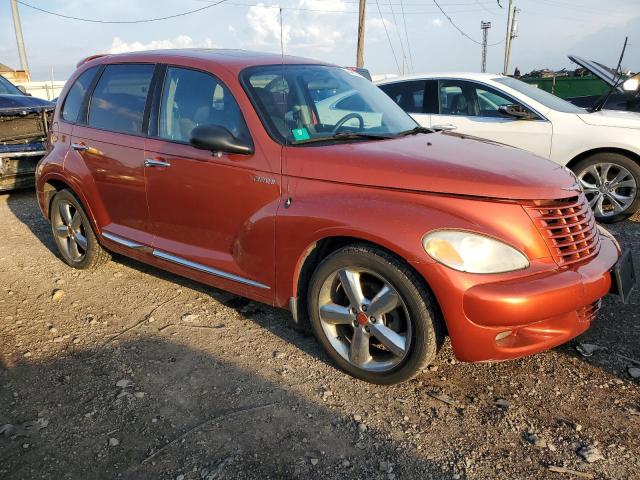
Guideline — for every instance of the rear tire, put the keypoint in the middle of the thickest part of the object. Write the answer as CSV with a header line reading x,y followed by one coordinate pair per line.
x,y
383,327
73,234
611,183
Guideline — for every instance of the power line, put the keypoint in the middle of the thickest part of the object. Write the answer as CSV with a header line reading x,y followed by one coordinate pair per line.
x,y
395,22
146,20
406,33
459,29
388,37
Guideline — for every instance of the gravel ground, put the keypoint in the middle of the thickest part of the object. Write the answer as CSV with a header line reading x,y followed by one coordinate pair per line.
x,y
131,372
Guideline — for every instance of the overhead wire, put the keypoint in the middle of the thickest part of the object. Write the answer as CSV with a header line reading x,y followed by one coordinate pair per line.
x,y
384,24
462,32
395,22
93,20
406,33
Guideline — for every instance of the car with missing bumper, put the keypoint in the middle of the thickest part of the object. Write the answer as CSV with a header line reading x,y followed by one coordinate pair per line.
x,y
381,238
23,128
602,147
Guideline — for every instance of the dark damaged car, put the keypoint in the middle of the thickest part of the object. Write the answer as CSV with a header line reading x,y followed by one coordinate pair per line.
x,y
24,124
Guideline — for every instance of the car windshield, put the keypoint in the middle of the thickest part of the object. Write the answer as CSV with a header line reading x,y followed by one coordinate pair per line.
x,y
8,88
313,103
545,98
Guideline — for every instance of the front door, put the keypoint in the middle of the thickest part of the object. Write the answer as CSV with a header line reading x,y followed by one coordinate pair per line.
x,y
416,97
211,213
111,143
472,108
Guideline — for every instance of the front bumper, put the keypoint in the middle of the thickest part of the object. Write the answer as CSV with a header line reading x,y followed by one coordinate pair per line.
x,y
503,318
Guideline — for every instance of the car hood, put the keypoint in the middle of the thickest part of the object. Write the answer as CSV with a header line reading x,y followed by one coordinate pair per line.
x,y
612,118
603,72
20,102
438,163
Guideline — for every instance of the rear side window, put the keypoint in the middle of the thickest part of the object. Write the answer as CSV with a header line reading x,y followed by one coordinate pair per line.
x,y
75,97
118,101
408,95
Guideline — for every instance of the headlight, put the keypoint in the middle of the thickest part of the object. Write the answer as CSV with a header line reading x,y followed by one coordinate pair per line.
x,y
473,253
606,233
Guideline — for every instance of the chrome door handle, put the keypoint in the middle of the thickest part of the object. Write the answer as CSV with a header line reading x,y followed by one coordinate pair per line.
x,y
150,162
80,147
444,126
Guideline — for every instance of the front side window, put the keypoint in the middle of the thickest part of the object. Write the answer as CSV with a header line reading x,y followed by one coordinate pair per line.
x,y
191,98
75,97
302,103
118,101
457,98
490,101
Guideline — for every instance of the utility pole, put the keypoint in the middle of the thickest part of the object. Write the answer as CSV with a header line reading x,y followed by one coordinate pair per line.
x,y
22,53
507,40
484,26
361,18
512,32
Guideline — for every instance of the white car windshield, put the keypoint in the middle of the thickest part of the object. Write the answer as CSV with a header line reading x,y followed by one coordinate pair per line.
x,y
313,103
541,96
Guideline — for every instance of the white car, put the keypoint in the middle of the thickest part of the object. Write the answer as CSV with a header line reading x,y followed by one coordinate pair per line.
x,y
602,148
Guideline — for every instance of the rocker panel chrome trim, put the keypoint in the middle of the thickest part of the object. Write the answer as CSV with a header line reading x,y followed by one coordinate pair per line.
x,y
121,241
203,268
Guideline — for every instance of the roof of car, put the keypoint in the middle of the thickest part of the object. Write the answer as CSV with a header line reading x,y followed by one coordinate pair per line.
x,y
461,75
232,59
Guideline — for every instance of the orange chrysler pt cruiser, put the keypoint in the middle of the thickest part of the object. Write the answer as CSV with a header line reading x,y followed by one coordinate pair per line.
x,y
302,185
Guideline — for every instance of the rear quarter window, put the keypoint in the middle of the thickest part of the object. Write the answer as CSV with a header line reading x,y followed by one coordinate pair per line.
x,y
75,97
118,101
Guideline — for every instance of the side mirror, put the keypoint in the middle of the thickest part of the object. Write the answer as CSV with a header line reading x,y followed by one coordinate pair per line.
x,y
218,139
516,111
631,84
23,90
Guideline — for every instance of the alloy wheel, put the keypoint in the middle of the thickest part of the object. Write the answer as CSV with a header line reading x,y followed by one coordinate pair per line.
x,y
69,231
610,188
365,319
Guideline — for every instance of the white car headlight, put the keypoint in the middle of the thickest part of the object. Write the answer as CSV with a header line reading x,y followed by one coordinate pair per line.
x,y
472,252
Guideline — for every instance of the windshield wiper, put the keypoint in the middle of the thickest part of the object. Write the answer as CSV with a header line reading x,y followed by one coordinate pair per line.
x,y
344,136
416,130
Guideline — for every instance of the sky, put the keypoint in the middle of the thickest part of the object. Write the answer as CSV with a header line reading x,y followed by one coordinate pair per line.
x,y
421,40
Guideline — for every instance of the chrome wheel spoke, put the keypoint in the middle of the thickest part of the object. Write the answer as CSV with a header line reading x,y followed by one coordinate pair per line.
x,y
594,199
74,253
65,213
594,172
393,341
76,221
384,302
631,183
598,207
350,281
62,231
81,240
359,351
617,207
336,314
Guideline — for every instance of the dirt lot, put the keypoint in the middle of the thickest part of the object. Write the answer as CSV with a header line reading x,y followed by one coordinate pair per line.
x,y
130,372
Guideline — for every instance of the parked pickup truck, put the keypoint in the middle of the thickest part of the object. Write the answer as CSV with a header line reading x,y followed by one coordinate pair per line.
x,y
23,129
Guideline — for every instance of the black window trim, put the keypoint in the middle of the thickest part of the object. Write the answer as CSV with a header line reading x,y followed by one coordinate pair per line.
x,y
154,118
89,98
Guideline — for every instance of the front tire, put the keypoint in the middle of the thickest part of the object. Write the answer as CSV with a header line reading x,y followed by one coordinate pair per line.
x,y
611,183
373,315
73,234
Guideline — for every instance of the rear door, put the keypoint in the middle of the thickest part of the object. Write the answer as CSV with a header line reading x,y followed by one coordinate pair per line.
x,y
416,97
110,141
472,108
213,213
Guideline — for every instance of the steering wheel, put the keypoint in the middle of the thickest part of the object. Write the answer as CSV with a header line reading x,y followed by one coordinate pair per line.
x,y
346,118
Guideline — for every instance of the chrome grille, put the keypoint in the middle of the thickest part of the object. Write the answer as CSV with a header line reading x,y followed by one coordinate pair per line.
x,y
569,228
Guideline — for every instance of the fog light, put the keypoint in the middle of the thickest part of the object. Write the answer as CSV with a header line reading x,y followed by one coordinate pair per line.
x,y
504,334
